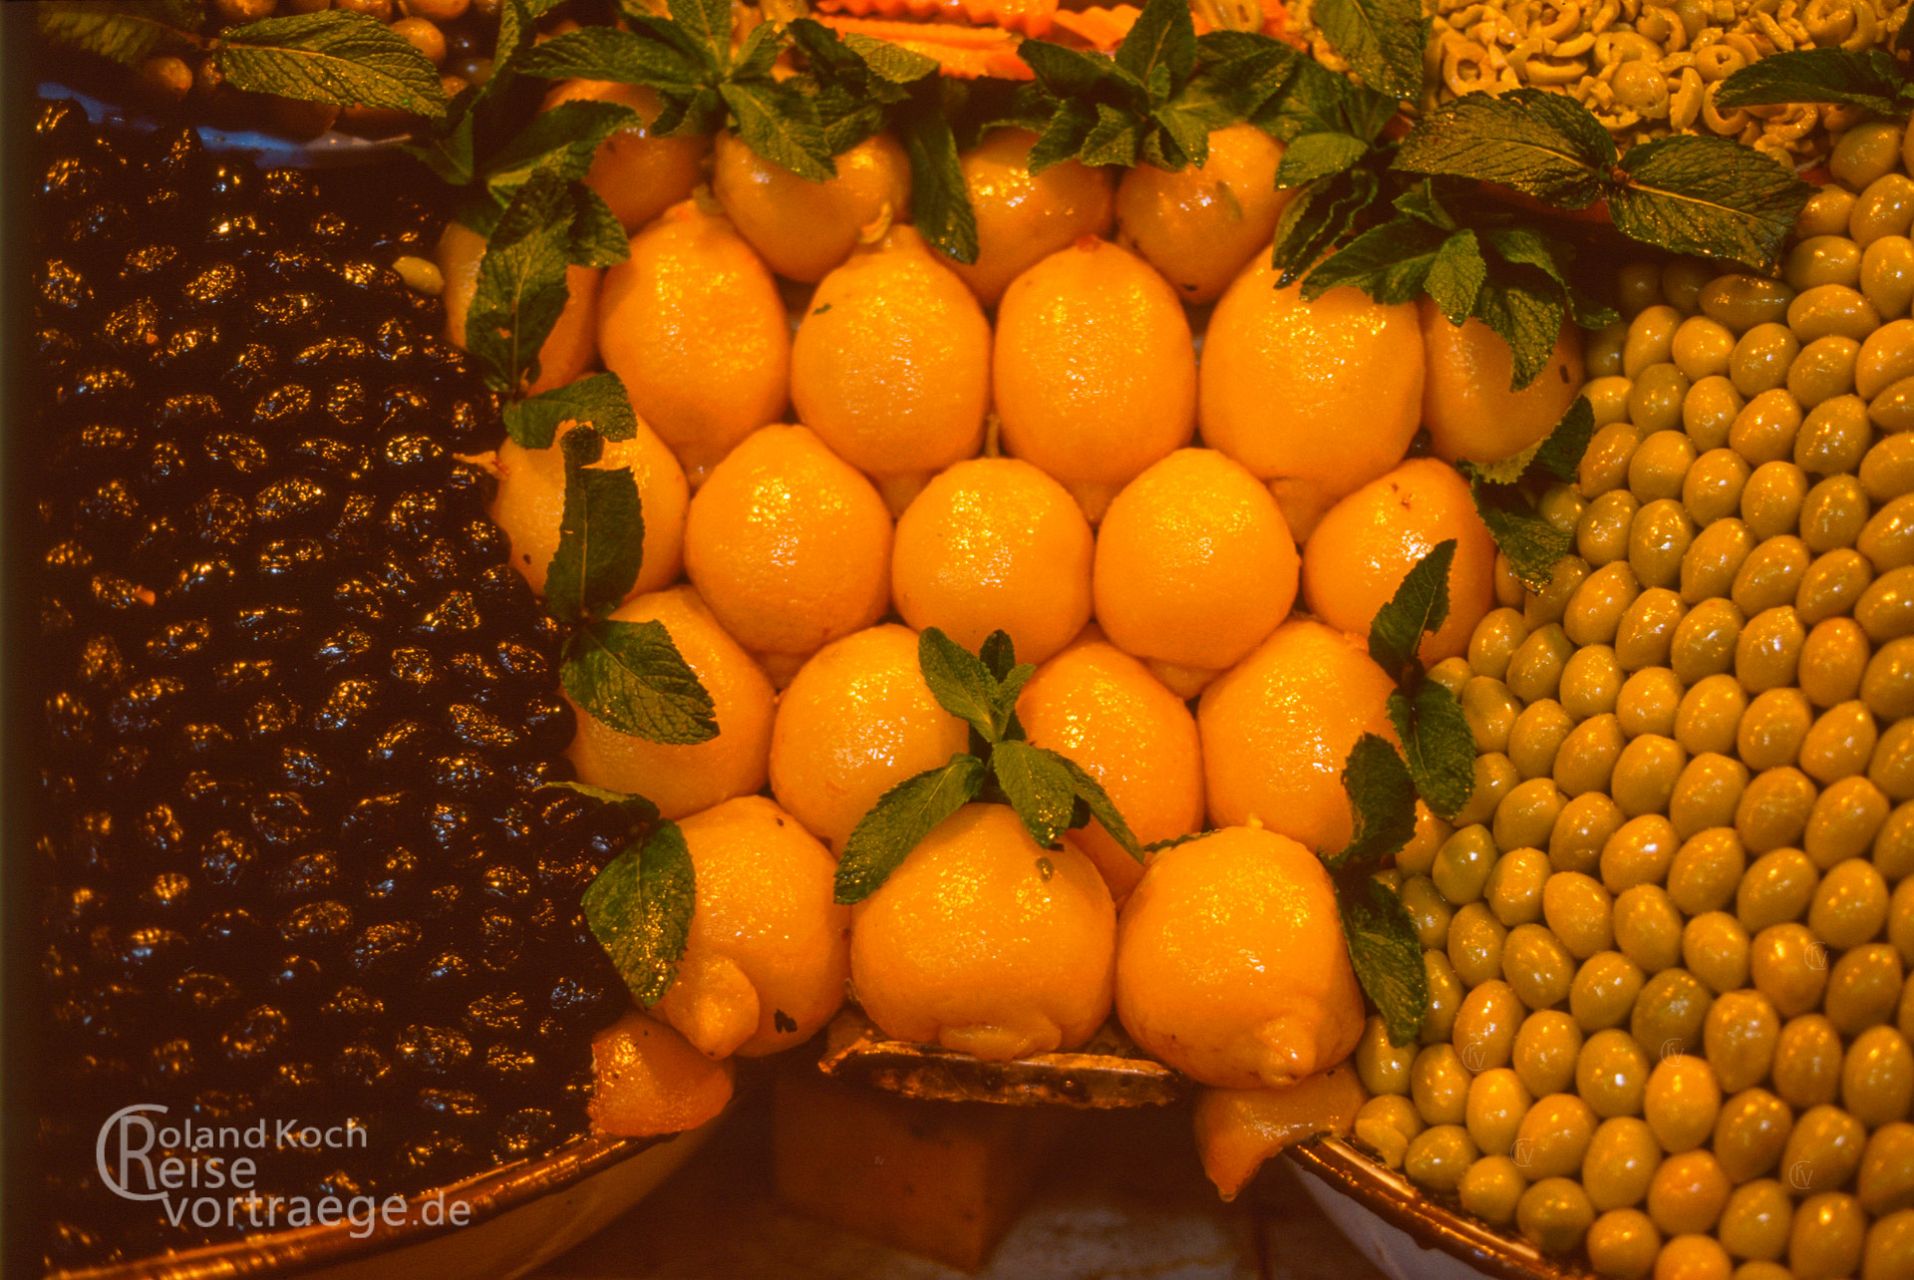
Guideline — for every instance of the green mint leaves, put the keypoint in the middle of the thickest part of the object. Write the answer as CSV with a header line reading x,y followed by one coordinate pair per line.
x,y
1048,792
1505,496
640,905
631,676
601,533
1383,40
1543,144
1866,78
597,399
1426,715
1385,953
521,281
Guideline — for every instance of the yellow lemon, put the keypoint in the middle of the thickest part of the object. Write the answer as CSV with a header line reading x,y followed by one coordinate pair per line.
x,y
636,173
647,1080
1466,402
1024,217
804,228
1199,225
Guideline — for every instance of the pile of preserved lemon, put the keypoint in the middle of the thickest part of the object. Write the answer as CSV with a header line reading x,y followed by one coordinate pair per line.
x,y
1668,941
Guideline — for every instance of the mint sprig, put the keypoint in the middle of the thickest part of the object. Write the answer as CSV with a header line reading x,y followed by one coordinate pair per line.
x,y
631,676
334,56
1435,738
601,533
597,400
1385,953
1867,78
1049,792
1383,40
639,908
1506,495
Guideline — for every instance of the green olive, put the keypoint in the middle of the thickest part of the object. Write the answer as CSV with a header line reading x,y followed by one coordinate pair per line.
x,y
1591,681
1639,853
1545,1051
1832,308
1826,211
1865,153
1714,947
1713,559
1893,850
1527,814
1888,470
1562,507
1658,465
1671,1011
1709,411
1604,991
1491,1189
1582,830
1537,966
1824,1150
1765,429
1493,777
1428,910
1554,1136
1834,436
1658,540
1713,486
1536,736
1702,346
1769,648
1494,641
1386,1124
1602,350
1893,409
1887,275
1647,927
1445,997
1645,774
1497,1102
1681,1102
1771,502
1887,685
1822,260
1554,1214
1833,514
1439,1084
1807,1062
1884,208
1892,768
1651,338
1777,888
1622,1154
1900,922
1886,609
1850,904
1823,370
1648,702
1887,539
1475,944
1885,358
1843,822
1761,359
1578,910
1710,713
1739,1038
1774,809
1535,668
1451,674
1647,630
1622,1243
1545,607
1707,868
1877,1077
1773,727
1889,1251
1594,612
1789,966
1638,287
1439,1156
1744,301
1832,585
1587,756
1864,987
1756,1220
1601,531
1381,1066
1885,1182
1706,797
1608,398
1654,401
1751,1133
1610,1074
1490,710
1834,661
1840,743
1682,281
1688,1193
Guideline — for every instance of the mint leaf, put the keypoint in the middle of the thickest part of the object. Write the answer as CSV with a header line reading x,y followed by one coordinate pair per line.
x,y
1385,953
1560,455
521,282
638,811
1063,136
449,151
598,400
639,908
562,141
1419,607
1170,842
1389,262
1436,745
1456,276
331,56
631,676
1112,140
1382,800
1319,155
1868,78
625,57
1163,35
1316,217
1315,99
517,21
601,533
1094,799
1532,544
939,197
780,124
900,820
1525,307
1545,144
1382,39
708,22
1242,71
1038,786
1070,74
1527,247
597,237
1707,195
125,33
998,653
961,683
887,61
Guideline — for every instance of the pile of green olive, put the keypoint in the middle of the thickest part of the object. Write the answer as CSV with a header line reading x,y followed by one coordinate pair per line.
x,y
1667,940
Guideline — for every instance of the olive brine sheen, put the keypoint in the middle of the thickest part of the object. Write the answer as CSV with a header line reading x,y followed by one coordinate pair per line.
x,y
298,708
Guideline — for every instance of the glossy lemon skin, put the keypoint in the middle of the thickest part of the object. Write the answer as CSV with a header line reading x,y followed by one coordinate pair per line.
x,y
1022,217
1200,225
